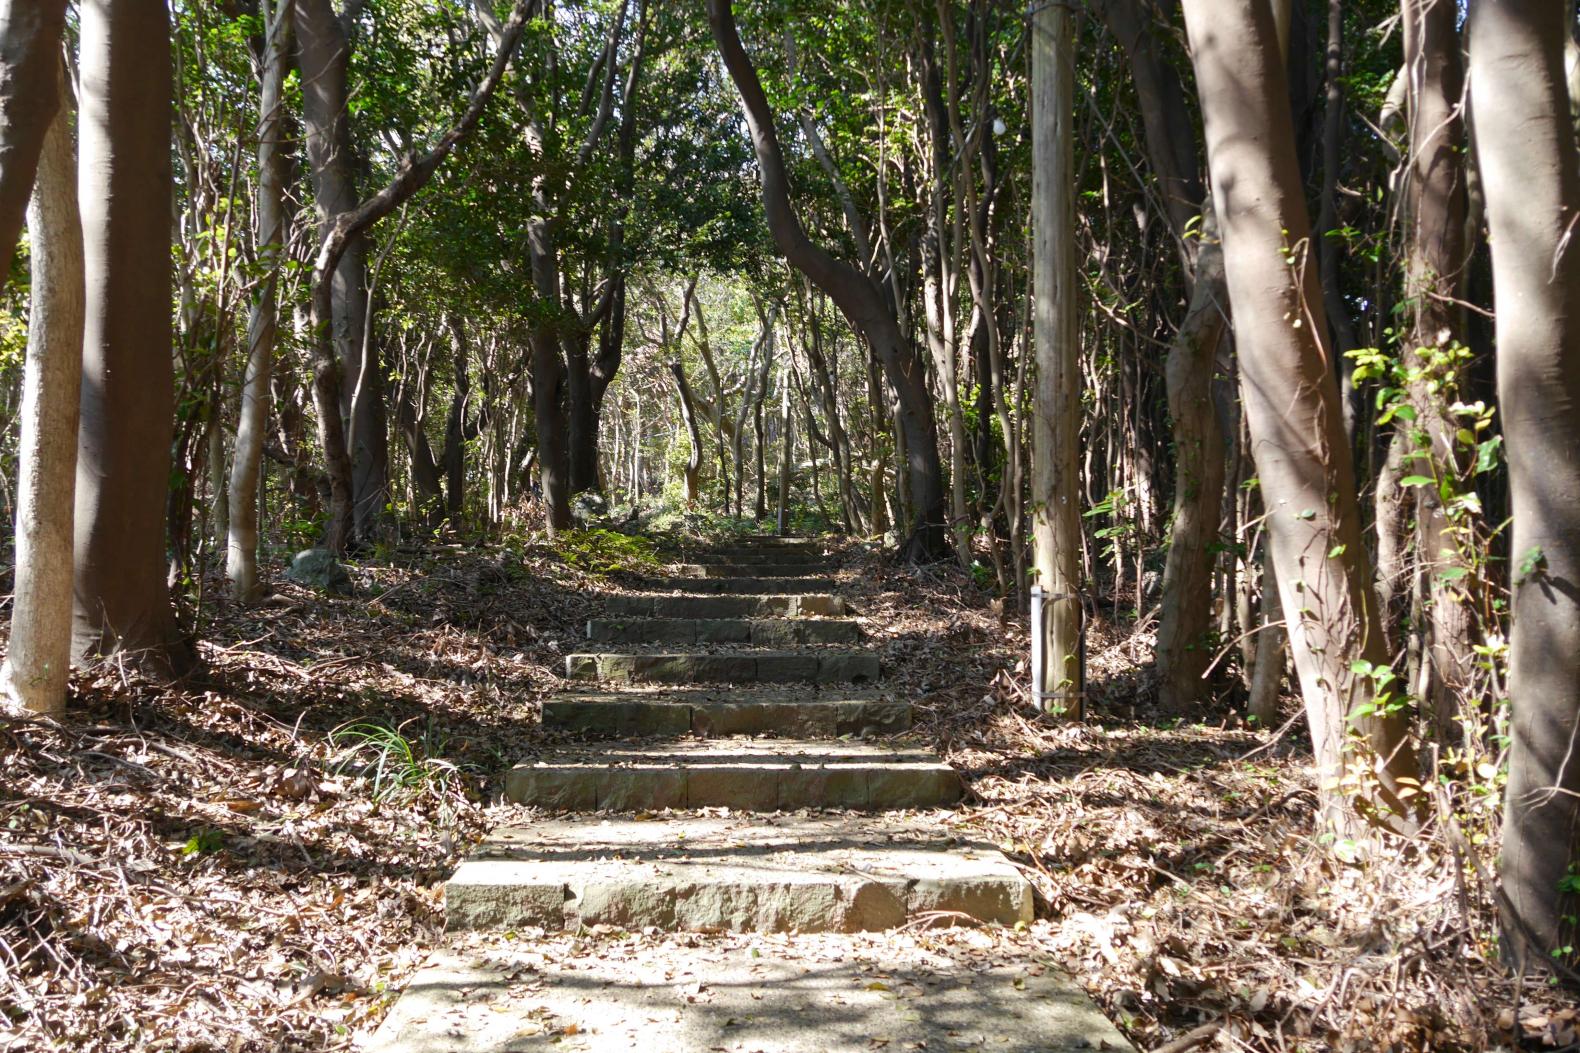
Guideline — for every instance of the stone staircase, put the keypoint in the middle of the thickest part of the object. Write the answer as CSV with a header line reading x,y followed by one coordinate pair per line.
x,y
684,748
736,771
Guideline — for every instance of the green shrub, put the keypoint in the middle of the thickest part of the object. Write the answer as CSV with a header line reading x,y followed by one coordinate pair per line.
x,y
605,552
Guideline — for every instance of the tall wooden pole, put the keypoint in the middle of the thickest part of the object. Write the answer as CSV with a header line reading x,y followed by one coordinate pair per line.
x,y
1056,520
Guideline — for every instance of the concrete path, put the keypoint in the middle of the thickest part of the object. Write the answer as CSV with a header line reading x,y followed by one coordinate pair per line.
x,y
743,772
617,993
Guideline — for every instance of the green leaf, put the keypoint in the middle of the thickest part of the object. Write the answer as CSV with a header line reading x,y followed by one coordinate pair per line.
x,y
1404,411
203,842
1417,480
1487,454
1533,562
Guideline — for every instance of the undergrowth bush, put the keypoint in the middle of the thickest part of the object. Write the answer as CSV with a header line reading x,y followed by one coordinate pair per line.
x,y
604,552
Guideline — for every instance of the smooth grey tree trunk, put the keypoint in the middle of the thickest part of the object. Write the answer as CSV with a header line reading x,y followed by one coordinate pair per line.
x,y
1290,395
241,562
1525,148
39,658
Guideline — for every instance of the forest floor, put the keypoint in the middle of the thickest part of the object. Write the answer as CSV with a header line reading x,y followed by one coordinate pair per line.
x,y
228,866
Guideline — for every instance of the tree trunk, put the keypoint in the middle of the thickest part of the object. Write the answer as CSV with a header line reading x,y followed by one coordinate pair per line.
x,y
30,95
585,471
689,415
938,287
1525,147
761,393
1331,248
219,496
1270,651
1291,401
127,409
857,296
814,439
1184,642
824,382
1184,646
581,416
1434,209
548,381
756,379
425,478
715,409
39,658
586,398
455,431
878,423
1056,413
324,57
760,512
344,230
1171,150
252,420
903,506
636,452
786,455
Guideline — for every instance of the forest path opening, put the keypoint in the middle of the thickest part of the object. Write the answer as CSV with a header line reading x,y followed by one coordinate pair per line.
x,y
754,858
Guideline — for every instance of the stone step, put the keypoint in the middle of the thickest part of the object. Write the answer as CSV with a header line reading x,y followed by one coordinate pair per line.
x,y
726,667
741,586
672,713
752,774
735,569
805,605
776,632
757,557
738,873
613,992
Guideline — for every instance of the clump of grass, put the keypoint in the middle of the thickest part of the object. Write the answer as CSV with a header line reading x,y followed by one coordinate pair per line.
x,y
402,770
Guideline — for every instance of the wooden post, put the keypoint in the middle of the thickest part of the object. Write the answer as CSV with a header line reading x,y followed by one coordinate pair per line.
x,y
1056,416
